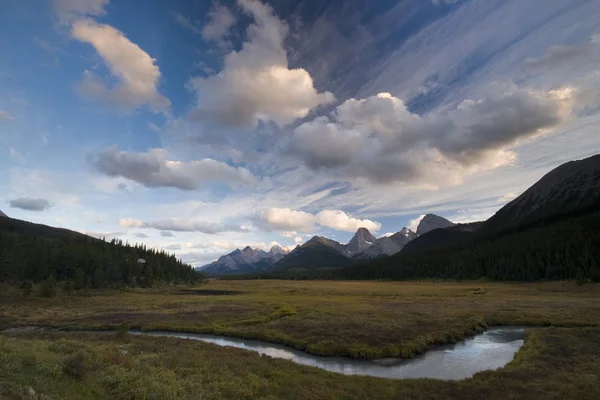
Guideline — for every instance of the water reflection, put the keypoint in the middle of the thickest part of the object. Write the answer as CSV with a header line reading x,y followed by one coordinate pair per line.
x,y
490,350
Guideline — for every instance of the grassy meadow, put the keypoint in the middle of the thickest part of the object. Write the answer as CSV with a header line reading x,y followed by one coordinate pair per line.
x,y
355,319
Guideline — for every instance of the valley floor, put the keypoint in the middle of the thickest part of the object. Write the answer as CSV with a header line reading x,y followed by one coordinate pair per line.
x,y
357,319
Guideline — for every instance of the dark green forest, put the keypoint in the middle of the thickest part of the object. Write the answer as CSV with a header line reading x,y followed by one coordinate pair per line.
x,y
36,253
567,249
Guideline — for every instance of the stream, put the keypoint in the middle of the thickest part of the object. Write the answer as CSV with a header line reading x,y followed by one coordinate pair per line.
x,y
489,350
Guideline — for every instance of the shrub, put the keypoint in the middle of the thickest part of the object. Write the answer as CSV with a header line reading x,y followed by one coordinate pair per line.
x,y
74,366
26,288
48,288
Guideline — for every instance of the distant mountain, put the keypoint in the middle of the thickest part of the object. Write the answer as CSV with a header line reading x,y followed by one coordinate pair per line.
x,y
431,222
2,214
362,240
244,261
318,252
569,189
321,252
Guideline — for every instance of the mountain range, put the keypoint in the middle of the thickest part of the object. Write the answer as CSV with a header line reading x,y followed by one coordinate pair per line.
x,y
321,252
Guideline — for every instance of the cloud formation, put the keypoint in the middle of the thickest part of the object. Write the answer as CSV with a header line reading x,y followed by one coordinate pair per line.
x,y
29,204
152,169
181,225
293,220
137,73
379,139
557,56
236,97
220,20
69,10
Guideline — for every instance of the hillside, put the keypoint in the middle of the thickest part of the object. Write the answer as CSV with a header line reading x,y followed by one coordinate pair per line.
x,y
569,189
35,252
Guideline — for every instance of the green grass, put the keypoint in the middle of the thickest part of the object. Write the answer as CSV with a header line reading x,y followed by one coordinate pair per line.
x,y
554,363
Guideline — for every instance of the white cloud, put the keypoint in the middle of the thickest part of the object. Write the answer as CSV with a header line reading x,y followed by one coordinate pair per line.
x,y
220,19
339,220
136,71
30,204
237,96
379,139
180,225
69,10
289,234
414,223
152,169
286,219
298,240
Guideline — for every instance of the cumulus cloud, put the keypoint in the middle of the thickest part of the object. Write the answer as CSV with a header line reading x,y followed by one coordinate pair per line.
x,y
152,169
339,220
5,115
29,204
237,96
181,225
379,139
136,72
69,10
287,219
140,235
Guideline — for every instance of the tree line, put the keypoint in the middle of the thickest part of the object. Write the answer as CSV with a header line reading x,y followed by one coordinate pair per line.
x,y
36,253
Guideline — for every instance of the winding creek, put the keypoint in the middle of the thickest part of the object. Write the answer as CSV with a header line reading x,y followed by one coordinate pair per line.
x,y
487,351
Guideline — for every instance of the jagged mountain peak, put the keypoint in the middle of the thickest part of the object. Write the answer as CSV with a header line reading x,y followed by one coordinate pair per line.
x,y
431,222
277,249
361,240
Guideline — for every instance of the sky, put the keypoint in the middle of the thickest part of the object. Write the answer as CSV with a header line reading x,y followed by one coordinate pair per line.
x,y
199,127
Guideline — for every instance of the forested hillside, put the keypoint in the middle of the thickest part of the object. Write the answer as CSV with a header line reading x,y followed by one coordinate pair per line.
x,y
33,252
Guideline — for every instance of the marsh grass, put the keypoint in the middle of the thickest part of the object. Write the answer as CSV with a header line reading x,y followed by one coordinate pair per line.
x,y
554,363
354,319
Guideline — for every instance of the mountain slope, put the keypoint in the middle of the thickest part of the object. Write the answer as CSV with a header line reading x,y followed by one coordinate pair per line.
x,y
318,252
431,222
569,189
443,237
2,214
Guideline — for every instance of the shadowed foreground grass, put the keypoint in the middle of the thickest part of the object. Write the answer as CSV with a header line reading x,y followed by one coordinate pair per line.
x,y
554,363
356,319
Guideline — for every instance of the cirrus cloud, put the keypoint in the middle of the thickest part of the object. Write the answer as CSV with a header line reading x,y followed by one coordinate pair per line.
x,y
181,225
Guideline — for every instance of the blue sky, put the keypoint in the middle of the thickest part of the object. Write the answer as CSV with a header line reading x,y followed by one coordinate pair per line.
x,y
203,126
